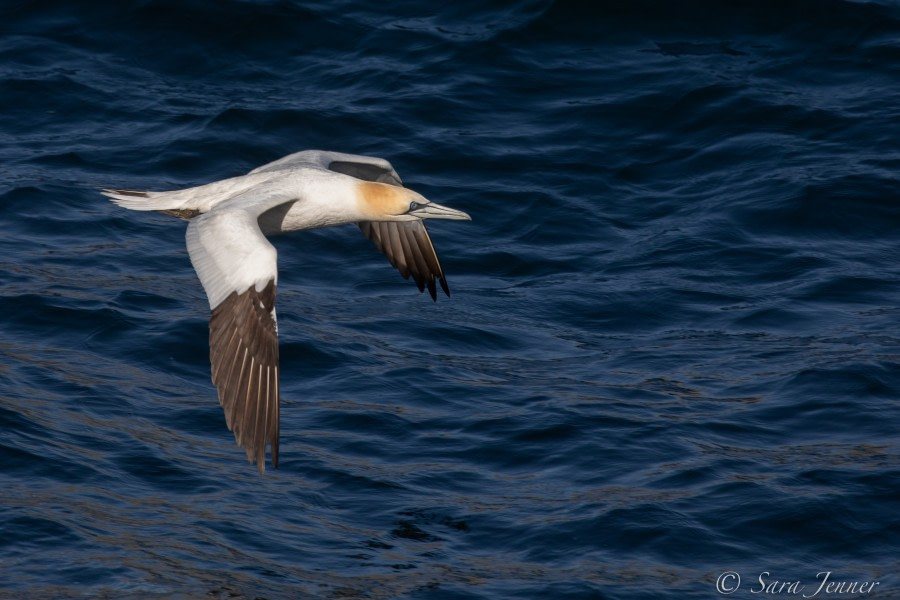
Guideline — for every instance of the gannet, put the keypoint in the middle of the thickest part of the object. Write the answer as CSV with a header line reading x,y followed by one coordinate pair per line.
x,y
237,266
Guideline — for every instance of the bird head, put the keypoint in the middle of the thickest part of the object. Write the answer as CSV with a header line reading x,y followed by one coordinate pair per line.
x,y
384,202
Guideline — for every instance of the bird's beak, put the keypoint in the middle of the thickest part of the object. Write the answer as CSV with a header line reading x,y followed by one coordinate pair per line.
x,y
433,210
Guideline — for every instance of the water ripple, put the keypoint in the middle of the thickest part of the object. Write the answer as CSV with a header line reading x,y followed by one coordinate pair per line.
x,y
670,352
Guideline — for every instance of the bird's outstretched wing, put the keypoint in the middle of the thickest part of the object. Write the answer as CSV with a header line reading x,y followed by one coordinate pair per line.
x,y
243,352
238,269
408,247
406,244
369,168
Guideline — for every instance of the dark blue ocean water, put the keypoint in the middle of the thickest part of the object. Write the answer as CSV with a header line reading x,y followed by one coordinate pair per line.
x,y
671,353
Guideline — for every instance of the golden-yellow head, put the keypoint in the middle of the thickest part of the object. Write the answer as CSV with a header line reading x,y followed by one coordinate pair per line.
x,y
384,202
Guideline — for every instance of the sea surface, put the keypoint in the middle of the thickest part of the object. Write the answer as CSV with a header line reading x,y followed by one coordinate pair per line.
x,y
669,367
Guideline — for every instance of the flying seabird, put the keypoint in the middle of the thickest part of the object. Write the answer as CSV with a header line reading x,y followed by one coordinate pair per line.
x,y
237,266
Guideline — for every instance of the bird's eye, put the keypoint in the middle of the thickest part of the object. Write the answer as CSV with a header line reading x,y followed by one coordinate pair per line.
x,y
413,205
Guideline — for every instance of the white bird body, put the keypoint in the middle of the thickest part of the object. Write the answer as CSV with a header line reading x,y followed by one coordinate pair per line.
x,y
237,266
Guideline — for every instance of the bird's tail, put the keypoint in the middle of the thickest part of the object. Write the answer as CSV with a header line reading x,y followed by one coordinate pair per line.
x,y
169,203
185,203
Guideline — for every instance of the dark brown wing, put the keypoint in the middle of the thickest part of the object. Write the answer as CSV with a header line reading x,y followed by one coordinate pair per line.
x,y
408,246
243,349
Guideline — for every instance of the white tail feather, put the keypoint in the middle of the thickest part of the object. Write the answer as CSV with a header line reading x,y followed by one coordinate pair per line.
x,y
198,199
140,200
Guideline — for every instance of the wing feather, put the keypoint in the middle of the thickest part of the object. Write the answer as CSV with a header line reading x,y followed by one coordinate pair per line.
x,y
415,256
238,269
420,267
406,244
243,350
